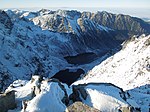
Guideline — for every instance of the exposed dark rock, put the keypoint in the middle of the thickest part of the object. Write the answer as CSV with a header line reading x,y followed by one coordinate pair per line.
x,y
80,107
5,19
7,101
77,91
121,22
124,25
147,42
148,67
4,79
36,89
129,109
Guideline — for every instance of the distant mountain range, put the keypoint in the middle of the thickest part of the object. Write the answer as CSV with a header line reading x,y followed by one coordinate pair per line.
x,y
146,20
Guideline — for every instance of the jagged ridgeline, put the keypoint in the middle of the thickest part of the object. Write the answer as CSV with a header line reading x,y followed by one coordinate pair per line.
x,y
66,21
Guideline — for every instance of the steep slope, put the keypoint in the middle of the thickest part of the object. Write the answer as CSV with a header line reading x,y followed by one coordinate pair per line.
x,y
87,32
68,21
26,49
39,95
128,69
120,22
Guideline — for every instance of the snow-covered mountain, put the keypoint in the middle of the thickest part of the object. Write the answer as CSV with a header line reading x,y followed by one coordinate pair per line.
x,y
77,22
69,45
27,49
128,69
64,21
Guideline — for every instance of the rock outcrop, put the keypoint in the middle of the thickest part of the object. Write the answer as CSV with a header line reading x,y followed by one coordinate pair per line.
x,y
105,97
7,101
6,20
120,22
49,95
80,107
38,95
68,21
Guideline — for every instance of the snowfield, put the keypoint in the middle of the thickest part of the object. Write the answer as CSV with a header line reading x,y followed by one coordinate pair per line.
x,y
128,69
106,97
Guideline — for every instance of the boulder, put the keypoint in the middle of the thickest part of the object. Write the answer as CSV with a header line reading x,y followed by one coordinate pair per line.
x,y
7,101
102,96
80,107
51,98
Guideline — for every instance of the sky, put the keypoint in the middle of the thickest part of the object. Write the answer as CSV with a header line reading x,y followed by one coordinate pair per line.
x,y
137,8
75,3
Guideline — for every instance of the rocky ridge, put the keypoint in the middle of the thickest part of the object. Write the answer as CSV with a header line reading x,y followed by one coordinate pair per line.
x,y
48,95
72,21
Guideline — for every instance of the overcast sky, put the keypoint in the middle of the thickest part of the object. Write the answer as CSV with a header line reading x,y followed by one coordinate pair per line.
x,y
75,3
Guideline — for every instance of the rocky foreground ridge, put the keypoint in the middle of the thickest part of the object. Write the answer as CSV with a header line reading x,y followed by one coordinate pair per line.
x,y
50,95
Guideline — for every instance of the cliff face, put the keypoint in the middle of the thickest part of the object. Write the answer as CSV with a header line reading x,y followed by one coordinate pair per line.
x,y
69,21
6,20
121,22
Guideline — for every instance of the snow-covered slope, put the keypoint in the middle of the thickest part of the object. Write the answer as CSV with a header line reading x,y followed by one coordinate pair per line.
x,y
105,97
66,21
49,95
27,49
128,69
49,99
39,96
